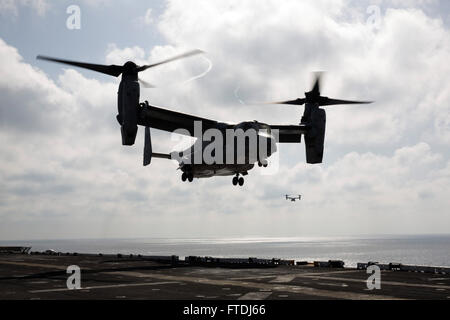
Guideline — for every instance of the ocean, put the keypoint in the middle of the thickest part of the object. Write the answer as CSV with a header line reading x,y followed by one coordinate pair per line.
x,y
433,250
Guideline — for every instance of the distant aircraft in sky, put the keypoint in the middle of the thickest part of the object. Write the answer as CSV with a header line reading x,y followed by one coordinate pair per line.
x,y
293,198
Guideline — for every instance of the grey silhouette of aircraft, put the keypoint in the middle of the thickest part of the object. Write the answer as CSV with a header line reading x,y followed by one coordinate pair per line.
x,y
293,198
132,113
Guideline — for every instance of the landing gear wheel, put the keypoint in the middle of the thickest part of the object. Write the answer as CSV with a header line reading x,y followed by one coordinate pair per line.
x,y
241,181
190,177
263,163
184,177
235,181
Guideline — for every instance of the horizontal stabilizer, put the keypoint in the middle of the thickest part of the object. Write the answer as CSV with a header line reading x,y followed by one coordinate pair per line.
x,y
162,156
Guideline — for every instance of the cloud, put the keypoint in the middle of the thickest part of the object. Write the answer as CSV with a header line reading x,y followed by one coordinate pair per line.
x,y
147,19
30,101
119,56
12,6
364,192
270,52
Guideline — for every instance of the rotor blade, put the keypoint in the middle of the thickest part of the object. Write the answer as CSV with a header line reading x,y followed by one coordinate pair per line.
x,y
162,156
296,102
112,70
316,86
145,84
325,101
184,55
147,147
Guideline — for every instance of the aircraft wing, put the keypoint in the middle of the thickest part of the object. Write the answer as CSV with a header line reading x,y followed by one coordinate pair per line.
x,y
289,133
168,120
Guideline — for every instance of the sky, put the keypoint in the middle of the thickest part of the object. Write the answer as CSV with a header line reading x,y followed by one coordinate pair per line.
x,y
386,170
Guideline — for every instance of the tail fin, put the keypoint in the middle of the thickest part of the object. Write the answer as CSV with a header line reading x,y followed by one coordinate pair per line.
x,y
147,147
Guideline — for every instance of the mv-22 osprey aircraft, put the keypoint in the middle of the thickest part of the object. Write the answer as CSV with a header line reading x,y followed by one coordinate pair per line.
x,y
292,198
132,113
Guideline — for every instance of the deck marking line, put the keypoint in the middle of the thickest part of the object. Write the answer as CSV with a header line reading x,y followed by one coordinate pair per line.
x,y
105,286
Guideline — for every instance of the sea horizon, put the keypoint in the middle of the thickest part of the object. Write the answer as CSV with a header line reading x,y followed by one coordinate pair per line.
x,y
424,249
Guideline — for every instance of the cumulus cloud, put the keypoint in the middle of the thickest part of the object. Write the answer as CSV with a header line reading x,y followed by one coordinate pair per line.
x,y
30,101
13,6
270,52
119,56
59,156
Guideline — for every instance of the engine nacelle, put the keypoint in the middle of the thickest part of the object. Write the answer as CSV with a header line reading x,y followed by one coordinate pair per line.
x,y
315,136
128,104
